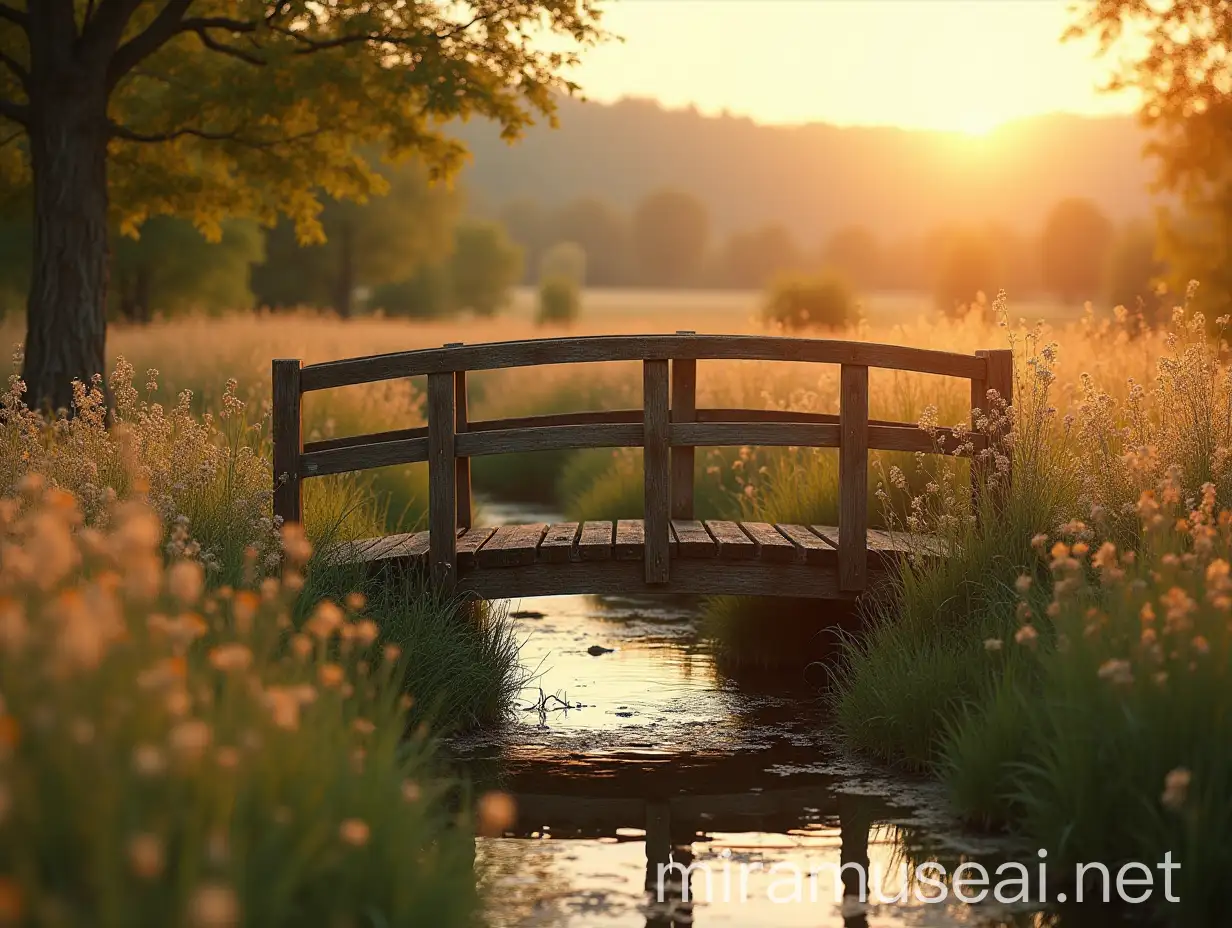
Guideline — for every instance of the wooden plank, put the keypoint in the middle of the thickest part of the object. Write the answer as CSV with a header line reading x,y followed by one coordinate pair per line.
x,y
584,349
595,542
559,545
733,543
550,438
771,546
469,542
701,576
462,465
909,543
692,539
362,457
853,478
598,417
721,434
370,438
512,545
410,546
442,496
657,470
630,540
684,409
809,547
288,437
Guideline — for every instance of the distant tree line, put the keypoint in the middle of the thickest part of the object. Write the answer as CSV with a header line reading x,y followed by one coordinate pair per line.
x,y
667,240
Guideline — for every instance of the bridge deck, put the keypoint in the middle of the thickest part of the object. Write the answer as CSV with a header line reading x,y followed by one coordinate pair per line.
x,y
712,557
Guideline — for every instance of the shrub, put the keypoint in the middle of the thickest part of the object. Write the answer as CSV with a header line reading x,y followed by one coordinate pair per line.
x,y
171,756
564,259
560,301
800,302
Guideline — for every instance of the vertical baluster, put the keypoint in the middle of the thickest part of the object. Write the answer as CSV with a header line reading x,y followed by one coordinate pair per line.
x,y
656,461
442,477
999,377
853,478
288,438
462,465
684,409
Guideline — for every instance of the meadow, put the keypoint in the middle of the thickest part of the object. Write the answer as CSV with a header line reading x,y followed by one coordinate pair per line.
x,y
1086,601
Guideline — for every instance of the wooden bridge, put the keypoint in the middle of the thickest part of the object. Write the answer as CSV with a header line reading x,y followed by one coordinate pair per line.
x,y
669,551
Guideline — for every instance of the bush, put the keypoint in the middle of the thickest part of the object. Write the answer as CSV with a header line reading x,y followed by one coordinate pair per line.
x,y
171,756
564,259
560,301
801,302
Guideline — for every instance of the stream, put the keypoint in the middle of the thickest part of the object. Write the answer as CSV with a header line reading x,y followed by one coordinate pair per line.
x,y
640,756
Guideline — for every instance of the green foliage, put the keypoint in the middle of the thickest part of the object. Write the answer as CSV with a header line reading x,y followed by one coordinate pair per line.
x,y
604,235
484,265
560,301
670,233
1075,245
428,294
797,302
566,261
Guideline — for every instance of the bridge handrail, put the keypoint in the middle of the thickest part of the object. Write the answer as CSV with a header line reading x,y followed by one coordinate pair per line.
x,y
669,426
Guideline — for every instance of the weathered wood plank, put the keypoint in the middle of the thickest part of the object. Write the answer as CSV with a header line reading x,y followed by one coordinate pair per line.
x,y
630,540
512,545
596,417
442,495
469,542
906,543
550,438
702,576
684,409
853,477
583,349
369,438
595,542
733,543
288,439
771,546
781,434
559,545
462,465
810,548
692,539
657,471
362,457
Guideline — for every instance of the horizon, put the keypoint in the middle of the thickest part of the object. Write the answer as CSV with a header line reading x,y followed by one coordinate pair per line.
x,y
673,56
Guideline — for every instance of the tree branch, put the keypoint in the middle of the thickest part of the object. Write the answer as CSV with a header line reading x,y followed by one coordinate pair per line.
x,y
213,44
14,15
235,135
17,112
141,46
22,75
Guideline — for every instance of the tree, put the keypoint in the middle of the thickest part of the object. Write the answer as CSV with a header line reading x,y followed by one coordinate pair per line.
x,y
565,260
529,226
367,244
246,108
1134,270
1074,249
603,233
798,301
670,231
485,264
965,265
855,253
752,259
1176,58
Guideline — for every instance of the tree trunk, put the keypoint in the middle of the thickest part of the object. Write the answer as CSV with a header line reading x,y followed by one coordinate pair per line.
x,y
345,286
67,307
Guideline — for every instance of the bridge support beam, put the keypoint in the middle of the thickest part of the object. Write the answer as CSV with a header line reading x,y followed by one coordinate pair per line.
x,y
442,481
288,440
684,409
853,478
656,464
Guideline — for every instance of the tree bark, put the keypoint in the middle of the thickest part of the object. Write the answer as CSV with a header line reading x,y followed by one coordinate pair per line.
x,y
66,310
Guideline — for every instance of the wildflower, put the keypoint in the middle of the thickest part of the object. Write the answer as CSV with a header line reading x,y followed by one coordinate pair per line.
x,y
366,632
295,544
14,629
1147,614
354,832
185,582
355,601
82,731
330,675
1201,645
1022,584
495,813
227,757
243,610
411,791
12,907
230,658
992,644
190,738
148,760
214,906
6,802
392,653
146,855
363,726
1176,789
1178,605
1039,541
1027,636
1117,672
301,646
10,733
326,620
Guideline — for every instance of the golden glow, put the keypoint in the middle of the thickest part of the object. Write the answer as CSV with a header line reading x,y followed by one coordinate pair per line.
x,y
960,65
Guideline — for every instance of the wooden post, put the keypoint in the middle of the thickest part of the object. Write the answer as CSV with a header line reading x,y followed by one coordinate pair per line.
x,y
288,437
462,465
442,477
684,409
999,377
853,478
656,463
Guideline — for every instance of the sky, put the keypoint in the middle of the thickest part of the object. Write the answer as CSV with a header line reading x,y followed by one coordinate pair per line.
x,y
966,65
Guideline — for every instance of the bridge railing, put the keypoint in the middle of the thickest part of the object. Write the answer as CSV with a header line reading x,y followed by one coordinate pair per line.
x,y
668,427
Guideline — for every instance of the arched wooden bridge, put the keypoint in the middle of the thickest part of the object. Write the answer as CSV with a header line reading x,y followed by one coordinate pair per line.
x,y
669,551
